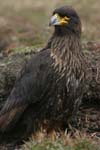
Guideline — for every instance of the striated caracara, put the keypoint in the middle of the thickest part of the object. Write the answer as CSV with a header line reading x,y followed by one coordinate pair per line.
x,y
53,81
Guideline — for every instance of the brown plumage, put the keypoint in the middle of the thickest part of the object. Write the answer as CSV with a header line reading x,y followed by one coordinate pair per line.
x,y
52,83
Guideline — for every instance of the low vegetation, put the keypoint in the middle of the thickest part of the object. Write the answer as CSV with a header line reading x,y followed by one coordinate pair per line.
x,y
79,142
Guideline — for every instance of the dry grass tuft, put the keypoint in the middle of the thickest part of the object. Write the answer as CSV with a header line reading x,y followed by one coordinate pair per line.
x,y
79,141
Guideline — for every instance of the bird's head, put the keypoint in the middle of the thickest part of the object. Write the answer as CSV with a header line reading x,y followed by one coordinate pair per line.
x,y
65,19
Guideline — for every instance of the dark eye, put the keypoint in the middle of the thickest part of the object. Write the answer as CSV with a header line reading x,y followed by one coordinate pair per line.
x,y
75,20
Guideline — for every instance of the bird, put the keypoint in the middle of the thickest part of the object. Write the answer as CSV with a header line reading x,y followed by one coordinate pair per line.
x,y
52,83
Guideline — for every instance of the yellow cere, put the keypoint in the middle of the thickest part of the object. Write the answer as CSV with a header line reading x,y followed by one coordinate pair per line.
x,y
62,20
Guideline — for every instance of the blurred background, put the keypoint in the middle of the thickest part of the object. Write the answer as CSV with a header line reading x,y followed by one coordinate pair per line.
x,y
25,22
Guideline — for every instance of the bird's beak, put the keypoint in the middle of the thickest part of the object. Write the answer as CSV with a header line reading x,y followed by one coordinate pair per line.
x,y
57,20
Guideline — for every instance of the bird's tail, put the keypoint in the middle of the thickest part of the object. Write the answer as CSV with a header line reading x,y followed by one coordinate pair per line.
x,y
9,118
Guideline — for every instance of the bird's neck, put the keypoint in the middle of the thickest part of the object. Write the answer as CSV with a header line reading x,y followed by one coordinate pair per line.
x,y
66,52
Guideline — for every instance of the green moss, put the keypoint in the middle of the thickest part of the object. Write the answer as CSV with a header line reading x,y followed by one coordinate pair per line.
x,y
27,49
84,145
71,144
46,145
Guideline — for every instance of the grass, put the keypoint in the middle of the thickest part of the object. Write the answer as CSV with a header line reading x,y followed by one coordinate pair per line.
x,y
79,142
28,21
25,23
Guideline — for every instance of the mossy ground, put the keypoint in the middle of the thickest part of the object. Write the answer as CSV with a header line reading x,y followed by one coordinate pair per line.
x,y
25,23
80,141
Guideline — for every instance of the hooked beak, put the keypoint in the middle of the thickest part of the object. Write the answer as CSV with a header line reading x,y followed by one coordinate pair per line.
x,y
57,20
